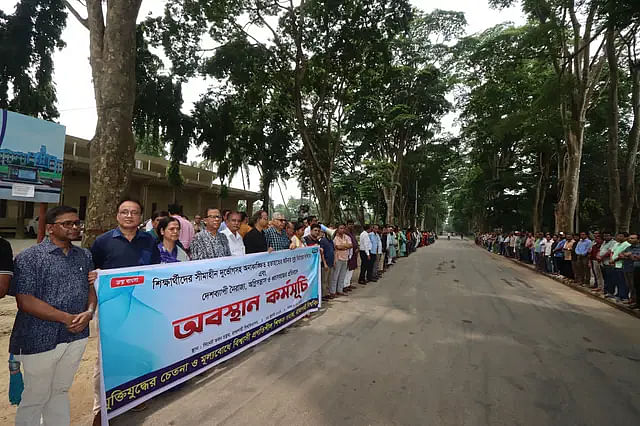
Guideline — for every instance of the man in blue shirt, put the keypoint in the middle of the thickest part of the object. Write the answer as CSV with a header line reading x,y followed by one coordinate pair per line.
x,y
373,270
328,257
121,247
583,271
55,305
558,254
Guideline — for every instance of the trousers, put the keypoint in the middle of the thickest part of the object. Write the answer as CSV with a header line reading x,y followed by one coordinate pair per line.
x,y
47,379
337,276
583,272
364,266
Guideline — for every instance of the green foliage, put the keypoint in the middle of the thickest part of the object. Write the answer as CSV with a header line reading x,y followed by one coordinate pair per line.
x,y
246,122
158,118
28,39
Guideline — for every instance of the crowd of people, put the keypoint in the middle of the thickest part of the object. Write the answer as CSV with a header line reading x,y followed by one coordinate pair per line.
x,y
607,265
53,280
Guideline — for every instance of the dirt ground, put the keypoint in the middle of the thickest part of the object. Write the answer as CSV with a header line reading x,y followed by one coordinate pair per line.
x,y
81,394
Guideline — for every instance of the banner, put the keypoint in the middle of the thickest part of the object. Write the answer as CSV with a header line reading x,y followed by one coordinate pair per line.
x,y
31,158
161,325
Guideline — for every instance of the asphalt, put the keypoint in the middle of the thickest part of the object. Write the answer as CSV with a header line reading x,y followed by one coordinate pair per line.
x,y
449,336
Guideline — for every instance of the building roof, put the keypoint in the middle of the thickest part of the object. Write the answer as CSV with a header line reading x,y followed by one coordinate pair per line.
x,y
150,168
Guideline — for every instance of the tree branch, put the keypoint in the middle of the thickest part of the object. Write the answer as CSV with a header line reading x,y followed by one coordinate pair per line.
x,y
74,12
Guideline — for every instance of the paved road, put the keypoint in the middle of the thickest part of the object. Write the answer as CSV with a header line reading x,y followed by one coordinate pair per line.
x,y
451,336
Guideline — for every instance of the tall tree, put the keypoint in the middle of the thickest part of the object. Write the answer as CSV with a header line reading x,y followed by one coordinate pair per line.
x,y
321,47
112,55
247,121
28,38
621,36
569,31
398,104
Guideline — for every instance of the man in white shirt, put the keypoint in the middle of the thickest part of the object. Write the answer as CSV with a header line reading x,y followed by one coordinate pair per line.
x,y
365,255
236,245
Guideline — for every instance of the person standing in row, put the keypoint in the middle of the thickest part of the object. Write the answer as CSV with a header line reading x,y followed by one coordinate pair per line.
x,y
352,263
186,228
365,255
236,245
342,245
210,242
328,259
55,305
375,246
618,256
255,240
297,240
156,217
276,235
197,224
583,271
119,248
169,246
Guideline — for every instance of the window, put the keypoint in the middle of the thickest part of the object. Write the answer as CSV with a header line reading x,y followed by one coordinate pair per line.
x,y
3,208
82,210
28,209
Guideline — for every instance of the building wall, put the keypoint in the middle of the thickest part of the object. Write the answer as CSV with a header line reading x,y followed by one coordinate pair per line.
x,y
149,185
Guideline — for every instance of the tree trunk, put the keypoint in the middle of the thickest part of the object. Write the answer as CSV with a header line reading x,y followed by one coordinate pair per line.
x,y
265,187
566,207
629,187
613,142
544,161
390,199
112,58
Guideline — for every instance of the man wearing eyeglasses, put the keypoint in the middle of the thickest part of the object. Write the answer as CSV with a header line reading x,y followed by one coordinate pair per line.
x,y
255,240
55,305
210,242
125,245
276,235
122,247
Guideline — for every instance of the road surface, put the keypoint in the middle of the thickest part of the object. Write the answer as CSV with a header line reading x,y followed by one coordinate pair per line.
x,y
450,336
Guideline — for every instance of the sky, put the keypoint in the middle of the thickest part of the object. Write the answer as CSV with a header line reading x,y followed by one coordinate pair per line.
x,y
76,102
27,134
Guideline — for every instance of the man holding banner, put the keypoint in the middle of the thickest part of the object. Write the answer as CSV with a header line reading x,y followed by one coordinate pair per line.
x,y
55,305
162,325
121,247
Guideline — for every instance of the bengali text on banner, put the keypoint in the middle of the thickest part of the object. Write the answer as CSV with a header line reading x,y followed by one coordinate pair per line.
x,y
161,325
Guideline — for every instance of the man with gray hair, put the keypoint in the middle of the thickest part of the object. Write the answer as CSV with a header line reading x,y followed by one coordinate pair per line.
x,y
276,235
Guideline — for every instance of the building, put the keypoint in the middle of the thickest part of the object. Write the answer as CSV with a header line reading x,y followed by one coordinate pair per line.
x,y
41,159
149,185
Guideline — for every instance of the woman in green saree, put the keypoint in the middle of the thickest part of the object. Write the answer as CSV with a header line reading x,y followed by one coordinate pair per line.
x,y
402,238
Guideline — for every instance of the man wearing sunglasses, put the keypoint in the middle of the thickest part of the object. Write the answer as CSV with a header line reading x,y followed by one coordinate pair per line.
x,y
55,305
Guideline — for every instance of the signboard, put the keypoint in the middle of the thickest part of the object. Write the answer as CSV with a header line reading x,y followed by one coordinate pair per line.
x,y
162,325
31,158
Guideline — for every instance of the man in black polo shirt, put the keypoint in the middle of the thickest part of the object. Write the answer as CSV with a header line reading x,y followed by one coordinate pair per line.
x,y
255,240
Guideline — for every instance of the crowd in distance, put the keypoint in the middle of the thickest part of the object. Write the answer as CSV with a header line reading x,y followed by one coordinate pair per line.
x,y
606,263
